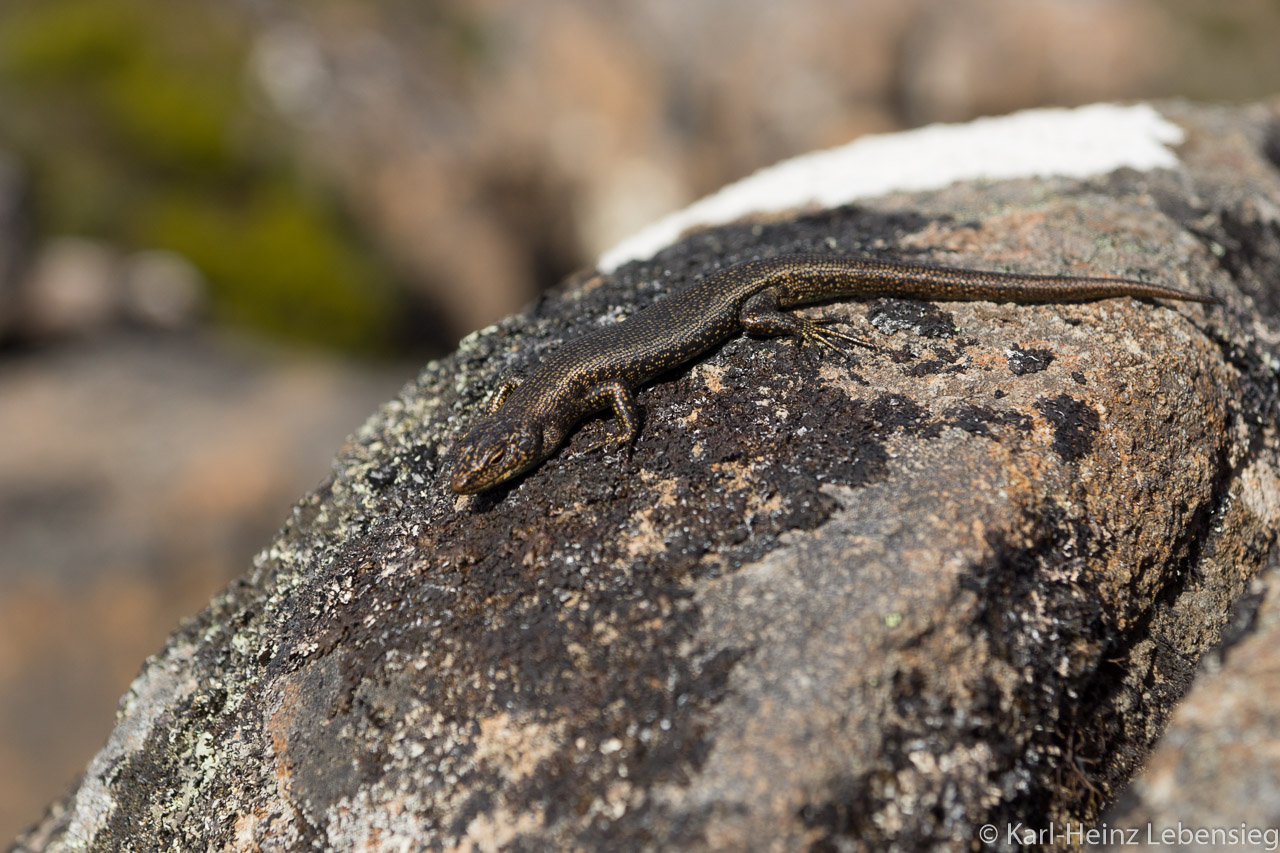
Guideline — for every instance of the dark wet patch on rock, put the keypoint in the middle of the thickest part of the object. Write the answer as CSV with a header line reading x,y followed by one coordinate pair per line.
x,y
1024,360
921,318
978,420
1074,423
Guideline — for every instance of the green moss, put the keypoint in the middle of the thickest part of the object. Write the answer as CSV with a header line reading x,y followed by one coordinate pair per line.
x,y
135,118
66,41
181,121
273,265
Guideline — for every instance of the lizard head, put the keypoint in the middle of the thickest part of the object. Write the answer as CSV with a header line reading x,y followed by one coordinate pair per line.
x,y
494,451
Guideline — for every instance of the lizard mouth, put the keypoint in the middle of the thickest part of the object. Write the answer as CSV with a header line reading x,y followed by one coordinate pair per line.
x,y
463,484
468,481
473,476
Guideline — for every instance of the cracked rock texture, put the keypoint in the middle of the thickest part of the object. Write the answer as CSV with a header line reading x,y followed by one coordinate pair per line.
x,y
870,603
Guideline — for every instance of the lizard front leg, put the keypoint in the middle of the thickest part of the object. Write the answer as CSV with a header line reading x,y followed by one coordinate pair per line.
x,y
626,414
504,391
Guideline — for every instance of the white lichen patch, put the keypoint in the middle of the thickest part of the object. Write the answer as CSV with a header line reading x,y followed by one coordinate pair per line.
x,y
514,748
163,684
377,821
388,817
1073,143
490,833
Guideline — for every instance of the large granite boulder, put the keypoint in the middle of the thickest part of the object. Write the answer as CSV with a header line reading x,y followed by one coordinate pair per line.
x,y
932,596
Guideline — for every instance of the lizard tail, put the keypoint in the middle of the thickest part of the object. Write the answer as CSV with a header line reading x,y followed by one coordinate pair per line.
x,y
868,277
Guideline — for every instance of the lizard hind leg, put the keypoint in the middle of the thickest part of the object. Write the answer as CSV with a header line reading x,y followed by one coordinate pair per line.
x,y
761,316
818,332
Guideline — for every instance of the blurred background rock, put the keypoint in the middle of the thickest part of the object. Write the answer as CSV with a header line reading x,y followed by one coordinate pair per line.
x,y
228,230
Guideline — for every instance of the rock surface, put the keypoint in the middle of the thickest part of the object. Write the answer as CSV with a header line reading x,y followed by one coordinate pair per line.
x,y
838,604
1218,764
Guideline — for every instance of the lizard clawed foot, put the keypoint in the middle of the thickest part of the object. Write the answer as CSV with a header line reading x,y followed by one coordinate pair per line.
x,y
816,331
608,442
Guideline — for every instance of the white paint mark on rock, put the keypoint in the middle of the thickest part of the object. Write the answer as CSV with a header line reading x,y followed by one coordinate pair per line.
x,y
1076,143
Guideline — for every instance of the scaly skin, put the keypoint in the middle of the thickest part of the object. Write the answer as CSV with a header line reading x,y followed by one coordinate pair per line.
x,y
530,418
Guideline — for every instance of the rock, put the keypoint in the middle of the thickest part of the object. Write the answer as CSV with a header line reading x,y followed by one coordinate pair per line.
x,y
78,288
73,289
898,601
1217,766
986,57
164,290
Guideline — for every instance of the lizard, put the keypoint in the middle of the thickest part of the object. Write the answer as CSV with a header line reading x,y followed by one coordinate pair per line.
x,y
529,417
